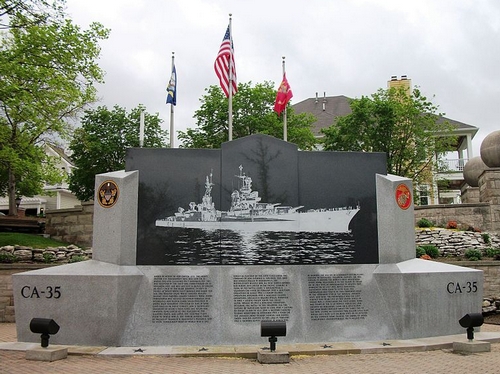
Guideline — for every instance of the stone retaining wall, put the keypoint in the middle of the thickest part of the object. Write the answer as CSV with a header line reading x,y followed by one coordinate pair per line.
x,y
18,253
455,243
73,225
478,216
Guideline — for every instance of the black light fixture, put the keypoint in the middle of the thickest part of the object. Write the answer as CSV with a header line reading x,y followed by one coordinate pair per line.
x,y
469,321
273,329
18,201
44,326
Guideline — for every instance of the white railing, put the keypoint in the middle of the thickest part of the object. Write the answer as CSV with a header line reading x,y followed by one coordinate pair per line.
x,y
453,164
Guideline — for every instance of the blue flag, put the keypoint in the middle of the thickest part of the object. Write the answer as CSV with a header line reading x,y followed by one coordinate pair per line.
x,y
172,88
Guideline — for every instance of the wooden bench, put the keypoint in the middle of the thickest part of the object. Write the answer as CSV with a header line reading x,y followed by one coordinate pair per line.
x,y
21,224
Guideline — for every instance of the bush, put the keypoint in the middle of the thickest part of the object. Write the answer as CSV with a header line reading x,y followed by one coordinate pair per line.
x,y
7,258
77,258
420,252
473,254
486,239
48,257
491,252
452,225
424,222
430,250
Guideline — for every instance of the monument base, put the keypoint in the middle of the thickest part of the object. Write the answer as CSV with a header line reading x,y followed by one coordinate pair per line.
x,y
181,305
267,357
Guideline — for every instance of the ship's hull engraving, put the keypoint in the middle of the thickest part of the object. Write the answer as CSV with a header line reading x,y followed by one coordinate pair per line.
x,y
248,214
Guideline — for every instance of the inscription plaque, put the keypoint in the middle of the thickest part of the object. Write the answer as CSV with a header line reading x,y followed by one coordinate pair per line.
x,y
335,297
261,298
181,299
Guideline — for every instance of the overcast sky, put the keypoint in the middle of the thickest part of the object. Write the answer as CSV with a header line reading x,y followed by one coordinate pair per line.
x,y
448,48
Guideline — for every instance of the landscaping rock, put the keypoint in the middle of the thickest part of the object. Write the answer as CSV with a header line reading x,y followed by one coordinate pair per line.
x,y
50,254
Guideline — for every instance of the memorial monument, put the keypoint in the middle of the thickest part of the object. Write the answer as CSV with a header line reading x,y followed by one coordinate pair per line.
x,y
197,247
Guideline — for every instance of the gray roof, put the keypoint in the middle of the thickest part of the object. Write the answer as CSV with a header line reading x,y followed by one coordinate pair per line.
x,y
328,109
325,109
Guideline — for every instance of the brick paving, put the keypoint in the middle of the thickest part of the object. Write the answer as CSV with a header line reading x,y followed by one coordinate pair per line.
x,y
435,362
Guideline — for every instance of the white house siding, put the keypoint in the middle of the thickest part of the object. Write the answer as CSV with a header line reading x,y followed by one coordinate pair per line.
x,y
51,203
67,200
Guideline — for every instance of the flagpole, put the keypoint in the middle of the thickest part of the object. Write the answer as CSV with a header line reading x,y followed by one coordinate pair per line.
x,y
172,111
141,129
230,97
285,137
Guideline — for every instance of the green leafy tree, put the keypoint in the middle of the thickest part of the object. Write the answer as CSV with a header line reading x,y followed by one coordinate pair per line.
x,y
22,13
403,126
252,113
100,144
47,72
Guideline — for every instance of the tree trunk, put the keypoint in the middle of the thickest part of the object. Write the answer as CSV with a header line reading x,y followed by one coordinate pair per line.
x,y
12,194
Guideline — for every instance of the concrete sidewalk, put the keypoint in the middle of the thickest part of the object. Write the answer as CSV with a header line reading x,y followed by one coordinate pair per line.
x,y
429,355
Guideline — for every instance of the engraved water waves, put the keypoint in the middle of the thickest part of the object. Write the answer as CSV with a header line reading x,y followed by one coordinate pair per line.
x,y
225,247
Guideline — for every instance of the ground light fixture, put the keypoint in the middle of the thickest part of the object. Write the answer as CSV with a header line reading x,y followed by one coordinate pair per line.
x,y
44,326
272,329
469,321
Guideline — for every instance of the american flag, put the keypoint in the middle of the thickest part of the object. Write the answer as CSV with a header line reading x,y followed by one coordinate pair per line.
x,y
225,61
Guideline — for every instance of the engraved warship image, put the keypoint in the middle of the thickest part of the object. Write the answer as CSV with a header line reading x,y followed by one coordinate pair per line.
x,y
248,214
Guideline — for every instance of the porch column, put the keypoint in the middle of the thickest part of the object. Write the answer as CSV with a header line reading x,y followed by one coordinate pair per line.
x,y
469,147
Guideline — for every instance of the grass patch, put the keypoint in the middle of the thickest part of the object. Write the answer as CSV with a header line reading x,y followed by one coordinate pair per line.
x,y
28,240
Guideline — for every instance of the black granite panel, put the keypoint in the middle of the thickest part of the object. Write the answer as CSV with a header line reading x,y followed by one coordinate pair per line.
x,y
257,200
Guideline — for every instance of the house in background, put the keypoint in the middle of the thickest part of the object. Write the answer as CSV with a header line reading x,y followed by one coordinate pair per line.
x,y
55,196
59,196
445,188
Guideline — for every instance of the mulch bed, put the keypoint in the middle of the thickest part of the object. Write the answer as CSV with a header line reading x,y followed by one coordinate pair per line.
x,y
493,319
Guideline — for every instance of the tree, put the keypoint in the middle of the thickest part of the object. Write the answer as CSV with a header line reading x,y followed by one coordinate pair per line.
x,y
47,72
22,13
101,143
252,113
404,126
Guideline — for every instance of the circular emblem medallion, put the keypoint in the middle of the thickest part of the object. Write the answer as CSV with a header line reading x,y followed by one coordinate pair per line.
x,y
107,194
403,196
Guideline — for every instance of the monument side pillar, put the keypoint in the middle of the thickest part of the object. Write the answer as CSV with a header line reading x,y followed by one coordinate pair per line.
x,y
395,219
115,217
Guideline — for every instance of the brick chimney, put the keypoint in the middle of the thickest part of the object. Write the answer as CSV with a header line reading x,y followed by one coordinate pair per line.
x,y
403,82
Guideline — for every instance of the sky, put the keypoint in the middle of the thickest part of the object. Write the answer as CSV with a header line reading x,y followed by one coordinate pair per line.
x,y
448,48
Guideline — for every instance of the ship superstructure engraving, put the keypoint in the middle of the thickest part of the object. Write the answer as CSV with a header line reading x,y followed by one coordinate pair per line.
x,y
249,214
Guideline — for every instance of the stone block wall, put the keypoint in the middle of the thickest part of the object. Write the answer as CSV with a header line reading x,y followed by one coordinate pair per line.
x,y
477,215
6,296
73,225
489,186
470,195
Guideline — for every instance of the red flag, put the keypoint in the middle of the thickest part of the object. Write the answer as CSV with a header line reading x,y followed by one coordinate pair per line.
x,y
224,62
283,96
